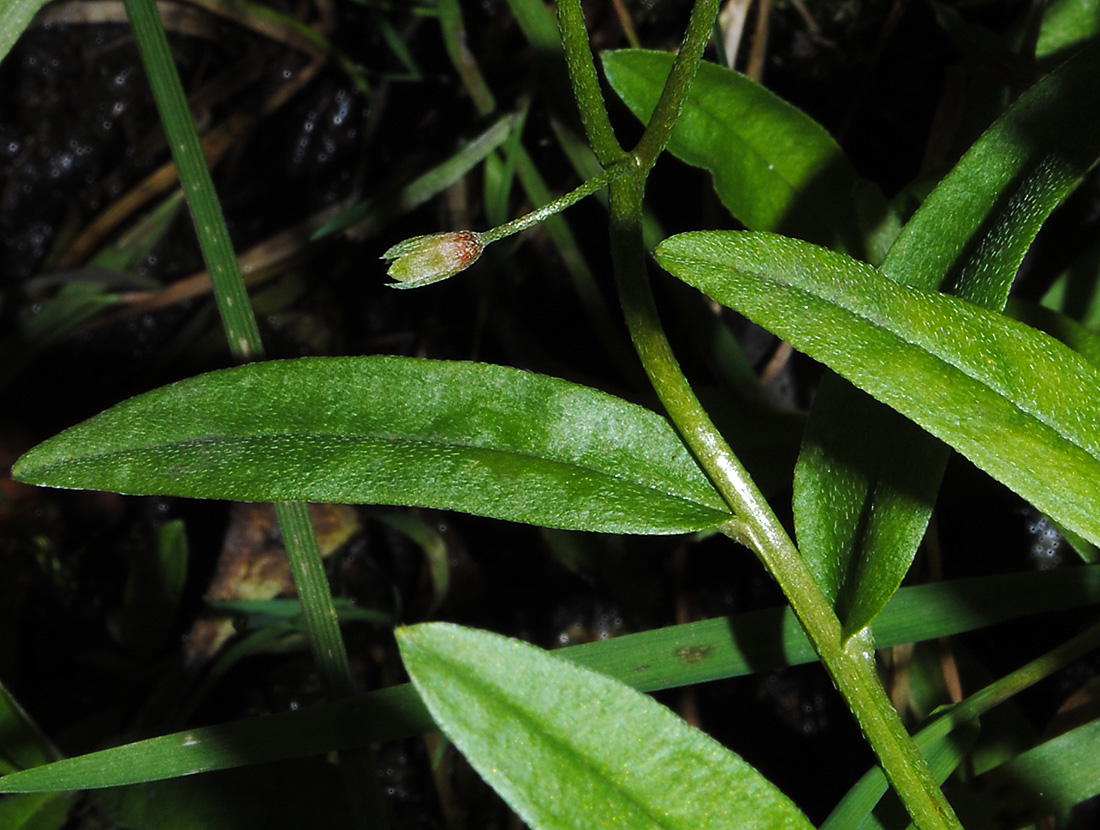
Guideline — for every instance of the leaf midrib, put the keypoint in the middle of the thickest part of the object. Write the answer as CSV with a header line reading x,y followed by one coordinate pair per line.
x,y
382,439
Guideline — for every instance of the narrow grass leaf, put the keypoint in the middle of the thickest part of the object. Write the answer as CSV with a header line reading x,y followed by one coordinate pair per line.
x,y
866,480
481,439
1046,780
570,748
384,715
35,811
370,215
154,586
22,743
1020,405
649,661
944,753
267,796
1076,291
774,167
434,545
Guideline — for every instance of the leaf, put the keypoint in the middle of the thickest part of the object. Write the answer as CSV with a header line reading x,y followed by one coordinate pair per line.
x,y
434,545
383,715
1058,326
862,498
15,16
679,655
866,481
1067,25
1017,403
22,743
774,167
481,439
270,795
570,748
1076,291
35,811
1045,780
367,216
157,574
973,230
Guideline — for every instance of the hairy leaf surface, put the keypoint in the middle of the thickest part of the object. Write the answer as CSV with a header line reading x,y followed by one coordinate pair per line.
x,y
570,748
1016,402
866,481
387,430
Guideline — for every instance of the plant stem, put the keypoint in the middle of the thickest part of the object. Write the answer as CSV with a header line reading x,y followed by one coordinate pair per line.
x,y
586,84
671,103
245,344
540,214
851,663
853,808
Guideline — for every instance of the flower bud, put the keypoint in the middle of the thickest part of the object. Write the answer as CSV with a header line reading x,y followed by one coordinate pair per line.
x,y
423,260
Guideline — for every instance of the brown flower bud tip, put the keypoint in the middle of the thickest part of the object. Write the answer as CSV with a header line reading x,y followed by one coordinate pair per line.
x,y
423,260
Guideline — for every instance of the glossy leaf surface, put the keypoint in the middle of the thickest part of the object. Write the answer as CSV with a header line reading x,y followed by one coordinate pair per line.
x,y
866,481
472,437
1017,403
570,748
774,167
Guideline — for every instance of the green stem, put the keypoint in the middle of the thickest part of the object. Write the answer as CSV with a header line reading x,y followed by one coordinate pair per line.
x,y
584,282
851,663
586,84
852,809
245,344
1012,684
540,214
669,105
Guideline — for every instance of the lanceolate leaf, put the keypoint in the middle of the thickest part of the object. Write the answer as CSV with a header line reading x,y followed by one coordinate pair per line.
x,y
774,167
862,498
385,430
865,480
1017,403
570,748
972,232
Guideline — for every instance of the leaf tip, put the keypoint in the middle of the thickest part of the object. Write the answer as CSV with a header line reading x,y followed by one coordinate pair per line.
x,y
23,468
